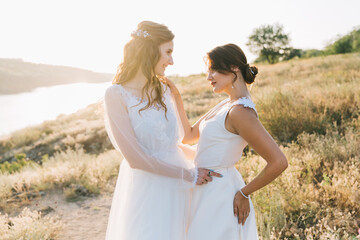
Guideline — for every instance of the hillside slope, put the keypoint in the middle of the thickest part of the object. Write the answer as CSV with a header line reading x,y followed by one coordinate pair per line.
x,y
310,106
19,76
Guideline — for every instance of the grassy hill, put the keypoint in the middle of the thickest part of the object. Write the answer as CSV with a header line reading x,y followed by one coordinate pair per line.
x,y
310,106
19,76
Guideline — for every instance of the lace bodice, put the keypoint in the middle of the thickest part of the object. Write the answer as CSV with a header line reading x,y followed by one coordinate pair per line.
x,y
154,132
147,139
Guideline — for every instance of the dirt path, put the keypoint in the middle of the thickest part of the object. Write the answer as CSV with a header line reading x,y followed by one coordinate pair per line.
x,y
85,219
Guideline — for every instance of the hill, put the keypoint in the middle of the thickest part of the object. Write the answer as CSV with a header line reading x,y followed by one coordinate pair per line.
x,y
18,76
310,106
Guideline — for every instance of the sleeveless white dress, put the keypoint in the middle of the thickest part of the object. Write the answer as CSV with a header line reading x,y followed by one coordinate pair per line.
x,y
212,216
147,205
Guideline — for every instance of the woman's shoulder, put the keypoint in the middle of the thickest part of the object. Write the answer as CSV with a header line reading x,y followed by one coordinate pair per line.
x,y
245,102
243,108
113,88
114,91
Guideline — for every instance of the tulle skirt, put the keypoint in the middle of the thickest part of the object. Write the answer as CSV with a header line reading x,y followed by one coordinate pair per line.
x,y
212,216
147,206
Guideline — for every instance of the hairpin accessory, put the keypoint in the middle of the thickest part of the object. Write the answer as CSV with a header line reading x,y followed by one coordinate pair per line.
x,y
140,33
251,71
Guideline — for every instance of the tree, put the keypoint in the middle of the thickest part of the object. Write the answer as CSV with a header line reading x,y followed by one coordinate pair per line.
x,y
345,44
291,53
269,42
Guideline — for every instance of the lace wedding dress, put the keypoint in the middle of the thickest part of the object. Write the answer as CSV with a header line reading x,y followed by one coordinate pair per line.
x,y
212,215
151,196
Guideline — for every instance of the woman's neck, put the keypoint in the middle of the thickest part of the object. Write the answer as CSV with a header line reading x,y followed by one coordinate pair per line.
x,y
239,90
137,82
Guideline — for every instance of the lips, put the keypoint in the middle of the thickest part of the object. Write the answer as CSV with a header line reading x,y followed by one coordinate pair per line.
x,y
213,83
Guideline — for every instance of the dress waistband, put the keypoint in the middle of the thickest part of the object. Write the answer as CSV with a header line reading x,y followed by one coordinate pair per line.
x,y
221,169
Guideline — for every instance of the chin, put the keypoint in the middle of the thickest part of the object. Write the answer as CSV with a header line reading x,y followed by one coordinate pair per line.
x,y
161,74
216,90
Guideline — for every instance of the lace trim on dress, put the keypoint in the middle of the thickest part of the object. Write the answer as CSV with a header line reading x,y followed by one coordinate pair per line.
x,y
196,172
246,102
128,95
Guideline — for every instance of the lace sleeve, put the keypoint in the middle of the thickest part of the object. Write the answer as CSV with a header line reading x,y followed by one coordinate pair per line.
x,y
246,102
123,138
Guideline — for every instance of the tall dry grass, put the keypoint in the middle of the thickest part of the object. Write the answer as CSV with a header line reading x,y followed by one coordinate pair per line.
x,y
312,109
310,106
319,190
64,170
29,225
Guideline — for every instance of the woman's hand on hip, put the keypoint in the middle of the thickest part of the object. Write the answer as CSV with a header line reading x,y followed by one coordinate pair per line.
x,y
241,207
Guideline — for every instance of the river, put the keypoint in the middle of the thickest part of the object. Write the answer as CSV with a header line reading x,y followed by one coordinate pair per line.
x,y
46,103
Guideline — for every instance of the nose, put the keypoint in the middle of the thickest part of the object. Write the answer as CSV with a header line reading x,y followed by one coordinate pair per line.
x,y
171,61
210,76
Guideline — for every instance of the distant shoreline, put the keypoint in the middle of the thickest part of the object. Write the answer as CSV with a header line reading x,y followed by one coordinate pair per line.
x,y
16,91
17,76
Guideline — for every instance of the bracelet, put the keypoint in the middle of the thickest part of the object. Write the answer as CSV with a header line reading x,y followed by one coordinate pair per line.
x,y
247,197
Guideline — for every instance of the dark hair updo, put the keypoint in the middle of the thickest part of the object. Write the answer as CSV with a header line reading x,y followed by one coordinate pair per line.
x,y
225,58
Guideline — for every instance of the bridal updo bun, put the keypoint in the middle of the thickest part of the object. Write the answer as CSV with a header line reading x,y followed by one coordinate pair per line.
x,y
249,73
227,57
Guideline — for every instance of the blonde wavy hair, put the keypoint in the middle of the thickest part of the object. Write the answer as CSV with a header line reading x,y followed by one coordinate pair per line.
x,y
144,53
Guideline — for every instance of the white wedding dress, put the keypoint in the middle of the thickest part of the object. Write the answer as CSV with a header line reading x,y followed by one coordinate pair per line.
x,y
152,193
212,215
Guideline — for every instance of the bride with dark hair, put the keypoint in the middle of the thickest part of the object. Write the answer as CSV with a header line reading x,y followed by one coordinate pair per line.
x,y
223,209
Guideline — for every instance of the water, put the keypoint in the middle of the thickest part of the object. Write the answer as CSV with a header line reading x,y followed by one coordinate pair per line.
x,y
46,103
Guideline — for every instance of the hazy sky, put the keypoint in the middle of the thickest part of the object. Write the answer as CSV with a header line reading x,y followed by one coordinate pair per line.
x,y
91,34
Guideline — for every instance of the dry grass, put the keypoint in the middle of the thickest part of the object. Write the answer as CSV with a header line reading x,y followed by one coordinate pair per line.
x,y
319,190
83,129
29,225
310,106
69,170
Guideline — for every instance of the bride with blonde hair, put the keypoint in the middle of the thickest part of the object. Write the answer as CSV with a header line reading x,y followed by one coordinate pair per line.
x,y
151,196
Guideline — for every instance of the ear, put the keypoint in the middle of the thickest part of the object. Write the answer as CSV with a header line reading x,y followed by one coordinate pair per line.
x,y
235,69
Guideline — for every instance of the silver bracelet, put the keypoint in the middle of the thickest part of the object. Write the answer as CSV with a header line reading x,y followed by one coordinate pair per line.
x,y
247,197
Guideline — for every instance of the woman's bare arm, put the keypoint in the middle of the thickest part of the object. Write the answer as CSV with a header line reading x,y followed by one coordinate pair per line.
x,y
245,123
191,133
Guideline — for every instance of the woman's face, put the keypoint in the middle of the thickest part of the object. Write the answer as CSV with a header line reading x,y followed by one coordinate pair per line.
x,y
166,59
220,81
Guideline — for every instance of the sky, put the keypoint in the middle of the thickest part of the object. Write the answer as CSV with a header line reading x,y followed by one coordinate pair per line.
x,y
91,34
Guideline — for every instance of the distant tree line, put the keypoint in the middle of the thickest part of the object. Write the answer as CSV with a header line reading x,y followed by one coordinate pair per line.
x,y
272,45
